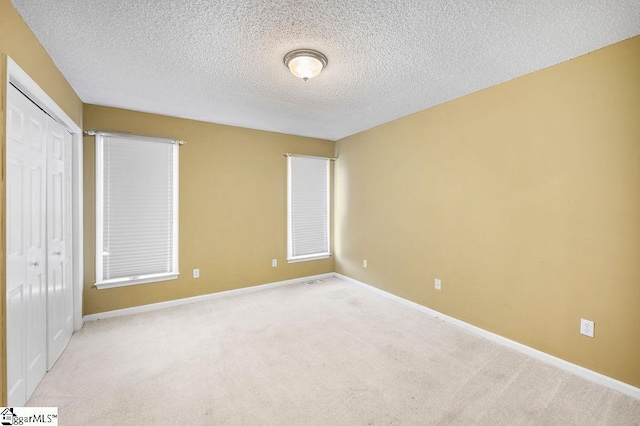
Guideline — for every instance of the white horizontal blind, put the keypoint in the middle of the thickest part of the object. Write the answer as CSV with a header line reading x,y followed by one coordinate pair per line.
x,y
308,208
136,209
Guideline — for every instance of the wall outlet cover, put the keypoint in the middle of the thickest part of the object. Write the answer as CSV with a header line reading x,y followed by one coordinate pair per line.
x,y
587,327
365,264
196,273
437,284
274,263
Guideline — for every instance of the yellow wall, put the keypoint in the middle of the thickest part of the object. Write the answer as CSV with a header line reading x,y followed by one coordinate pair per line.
x,y
524,199
233,207
18,42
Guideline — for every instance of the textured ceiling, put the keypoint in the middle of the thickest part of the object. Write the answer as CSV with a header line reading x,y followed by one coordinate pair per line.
x,y
221,61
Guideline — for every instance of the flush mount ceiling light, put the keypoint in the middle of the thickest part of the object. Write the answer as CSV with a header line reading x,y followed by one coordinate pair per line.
x,y
305,63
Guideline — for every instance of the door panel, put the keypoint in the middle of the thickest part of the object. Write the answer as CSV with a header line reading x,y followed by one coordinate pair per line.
x,y
15,223
36,321
60,291
35,292
36,176
16,369
55,237
15,209
26,267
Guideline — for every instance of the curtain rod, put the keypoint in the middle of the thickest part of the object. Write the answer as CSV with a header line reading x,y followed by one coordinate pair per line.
x,y
95,132
288,154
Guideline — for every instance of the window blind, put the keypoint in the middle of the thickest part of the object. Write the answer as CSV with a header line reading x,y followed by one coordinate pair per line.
x,y
136,210
308,215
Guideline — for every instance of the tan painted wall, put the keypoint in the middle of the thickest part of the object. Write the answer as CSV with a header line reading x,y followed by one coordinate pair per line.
x,y
233,205
524,199
18,42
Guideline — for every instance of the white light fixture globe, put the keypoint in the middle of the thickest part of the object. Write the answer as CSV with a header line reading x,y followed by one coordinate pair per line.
x,y
305,63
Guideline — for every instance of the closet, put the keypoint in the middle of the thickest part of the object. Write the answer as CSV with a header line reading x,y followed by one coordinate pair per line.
x,y
39,307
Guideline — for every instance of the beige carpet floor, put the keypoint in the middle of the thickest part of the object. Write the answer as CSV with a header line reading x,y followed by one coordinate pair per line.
x,y
328,353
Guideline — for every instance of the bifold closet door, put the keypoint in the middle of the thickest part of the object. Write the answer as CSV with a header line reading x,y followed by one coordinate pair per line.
x,y
26,307
59,290
39,285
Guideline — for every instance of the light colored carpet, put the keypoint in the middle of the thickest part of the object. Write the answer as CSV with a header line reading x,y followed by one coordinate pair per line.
x,y
310,354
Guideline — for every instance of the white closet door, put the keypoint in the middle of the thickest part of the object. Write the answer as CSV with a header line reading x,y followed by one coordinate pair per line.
x,y
26,247
59,289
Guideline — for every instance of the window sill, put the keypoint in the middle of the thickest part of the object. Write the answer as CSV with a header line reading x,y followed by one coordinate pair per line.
x,y
308,257
123,282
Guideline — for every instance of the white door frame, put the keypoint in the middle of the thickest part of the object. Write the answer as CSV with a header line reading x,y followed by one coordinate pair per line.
x,y
19,78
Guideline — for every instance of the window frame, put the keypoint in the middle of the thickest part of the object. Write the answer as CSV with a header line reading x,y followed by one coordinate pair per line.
x,y
314,256
99,217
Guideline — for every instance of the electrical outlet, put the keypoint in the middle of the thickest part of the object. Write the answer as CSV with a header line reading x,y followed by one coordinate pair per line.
x,y
438,284
586,327
274,263
196,273
365,263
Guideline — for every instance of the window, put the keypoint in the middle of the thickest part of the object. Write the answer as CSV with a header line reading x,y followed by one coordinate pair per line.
x,y
308,208
136,210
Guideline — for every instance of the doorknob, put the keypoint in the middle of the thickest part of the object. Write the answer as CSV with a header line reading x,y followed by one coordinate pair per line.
x,y
35,264
57,253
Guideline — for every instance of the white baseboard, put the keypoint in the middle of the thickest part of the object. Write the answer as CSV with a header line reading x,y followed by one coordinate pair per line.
x,y
585,373
210,296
